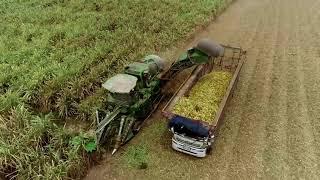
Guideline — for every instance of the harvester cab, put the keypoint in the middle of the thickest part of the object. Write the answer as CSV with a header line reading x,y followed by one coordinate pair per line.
x,y
120,87
123,88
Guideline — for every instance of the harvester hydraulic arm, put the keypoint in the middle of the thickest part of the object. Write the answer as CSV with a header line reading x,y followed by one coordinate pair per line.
x,y
203,53
177,67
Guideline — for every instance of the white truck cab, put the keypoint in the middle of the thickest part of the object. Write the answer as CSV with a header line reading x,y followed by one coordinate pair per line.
x,y
191,146
190,142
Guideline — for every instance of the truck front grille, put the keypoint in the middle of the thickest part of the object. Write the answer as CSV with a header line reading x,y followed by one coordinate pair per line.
x,y
190,141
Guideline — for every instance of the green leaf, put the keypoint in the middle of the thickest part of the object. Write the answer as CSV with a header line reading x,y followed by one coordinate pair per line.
x,y
90,146
76,141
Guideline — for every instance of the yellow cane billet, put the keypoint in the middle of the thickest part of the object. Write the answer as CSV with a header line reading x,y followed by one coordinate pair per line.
x,y
204,98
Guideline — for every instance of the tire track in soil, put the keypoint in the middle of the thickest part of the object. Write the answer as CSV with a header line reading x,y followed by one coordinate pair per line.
x,y
250,141
311,69
308,71
275,152
301,141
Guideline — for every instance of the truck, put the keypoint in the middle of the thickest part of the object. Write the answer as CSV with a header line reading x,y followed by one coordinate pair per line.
x,y
195,136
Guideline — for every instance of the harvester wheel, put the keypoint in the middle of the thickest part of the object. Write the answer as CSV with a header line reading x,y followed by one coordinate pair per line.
x,y
136,127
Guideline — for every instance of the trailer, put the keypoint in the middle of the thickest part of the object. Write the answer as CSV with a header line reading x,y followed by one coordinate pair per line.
x,y
195,136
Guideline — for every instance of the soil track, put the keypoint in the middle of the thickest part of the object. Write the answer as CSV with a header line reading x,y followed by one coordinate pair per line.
x,y
272,126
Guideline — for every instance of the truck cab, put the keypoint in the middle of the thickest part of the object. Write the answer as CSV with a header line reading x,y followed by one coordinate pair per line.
x,y
191,136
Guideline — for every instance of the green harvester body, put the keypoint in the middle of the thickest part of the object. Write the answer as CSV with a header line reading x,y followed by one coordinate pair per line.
x,y
135,93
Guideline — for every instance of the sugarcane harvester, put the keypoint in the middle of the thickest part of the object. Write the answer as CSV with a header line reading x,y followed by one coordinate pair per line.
x,y
135,93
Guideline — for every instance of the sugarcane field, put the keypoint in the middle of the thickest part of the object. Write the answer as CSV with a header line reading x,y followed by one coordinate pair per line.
x,y
167,89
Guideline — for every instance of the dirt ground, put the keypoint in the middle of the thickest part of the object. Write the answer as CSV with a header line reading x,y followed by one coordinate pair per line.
x,y
272,126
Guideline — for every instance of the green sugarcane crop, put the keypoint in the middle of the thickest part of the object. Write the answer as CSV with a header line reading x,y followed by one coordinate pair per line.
x,y
204,98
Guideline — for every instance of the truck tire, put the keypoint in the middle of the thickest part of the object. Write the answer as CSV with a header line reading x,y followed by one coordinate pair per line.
x,y
209,150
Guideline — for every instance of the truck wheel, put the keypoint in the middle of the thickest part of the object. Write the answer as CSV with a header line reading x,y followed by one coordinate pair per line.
x,y
209,150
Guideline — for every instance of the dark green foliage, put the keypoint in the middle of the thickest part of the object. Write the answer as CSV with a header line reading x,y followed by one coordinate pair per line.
x,y
88,143
33,147
63,52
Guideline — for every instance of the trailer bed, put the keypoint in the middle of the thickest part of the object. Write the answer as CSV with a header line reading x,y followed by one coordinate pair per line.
x,y
232,61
